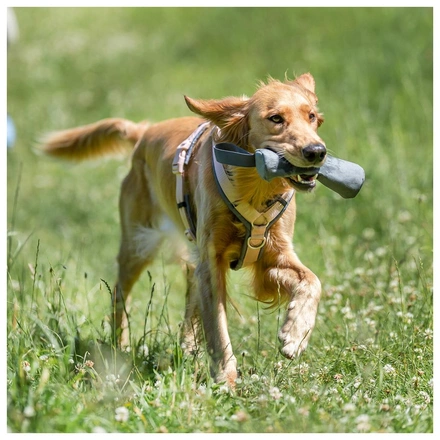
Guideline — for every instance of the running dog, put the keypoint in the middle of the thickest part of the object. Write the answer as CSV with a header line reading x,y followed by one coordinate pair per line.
x,y
281,116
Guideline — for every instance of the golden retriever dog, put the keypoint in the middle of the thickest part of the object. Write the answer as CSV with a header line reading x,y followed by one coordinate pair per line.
x,y
281,116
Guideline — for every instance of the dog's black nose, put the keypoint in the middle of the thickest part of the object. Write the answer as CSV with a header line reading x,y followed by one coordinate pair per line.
x,y
314,153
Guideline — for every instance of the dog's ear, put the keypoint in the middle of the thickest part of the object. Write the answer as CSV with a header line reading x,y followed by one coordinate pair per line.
x,y
307,81
229,114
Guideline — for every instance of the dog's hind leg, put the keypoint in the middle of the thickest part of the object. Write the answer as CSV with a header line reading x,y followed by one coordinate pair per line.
x,y
139,243
211,286
191,327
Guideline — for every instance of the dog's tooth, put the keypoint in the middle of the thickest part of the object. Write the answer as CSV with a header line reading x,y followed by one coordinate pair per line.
x,y
299,178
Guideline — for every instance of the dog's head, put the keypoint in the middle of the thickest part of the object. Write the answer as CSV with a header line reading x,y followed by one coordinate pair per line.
x,y
281,116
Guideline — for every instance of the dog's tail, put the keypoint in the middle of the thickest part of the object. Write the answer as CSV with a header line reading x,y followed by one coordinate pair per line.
x,y
105,137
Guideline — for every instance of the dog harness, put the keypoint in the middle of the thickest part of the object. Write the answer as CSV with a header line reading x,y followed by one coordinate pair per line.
x,y
181,159
257,223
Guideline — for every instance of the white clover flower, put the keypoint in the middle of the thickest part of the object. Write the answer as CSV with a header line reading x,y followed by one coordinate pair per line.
x,y
357,383
363,423
26,366
279,365
121,414
428,333
44,357
425,396
98,430
201,389
112,379
368,233
29,411
143,351
338,377
275,393
349,407
370,322
304,412
303,368
240,416
346,311
381,251
255,378
403,216
223,389
359,271
389,369
417,408
369,256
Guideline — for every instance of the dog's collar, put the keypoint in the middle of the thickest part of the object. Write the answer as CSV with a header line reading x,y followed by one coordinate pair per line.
x,y
257,223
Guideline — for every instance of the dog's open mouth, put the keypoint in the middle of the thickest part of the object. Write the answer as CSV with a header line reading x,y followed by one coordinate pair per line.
x,y
303,182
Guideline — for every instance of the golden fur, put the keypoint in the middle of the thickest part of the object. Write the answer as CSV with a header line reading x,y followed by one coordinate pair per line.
x,y
281,116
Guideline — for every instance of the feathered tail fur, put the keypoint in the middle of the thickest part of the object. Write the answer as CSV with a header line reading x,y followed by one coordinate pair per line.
x,y
108,136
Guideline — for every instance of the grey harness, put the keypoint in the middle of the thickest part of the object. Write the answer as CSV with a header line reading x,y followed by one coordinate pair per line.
x,y
257,224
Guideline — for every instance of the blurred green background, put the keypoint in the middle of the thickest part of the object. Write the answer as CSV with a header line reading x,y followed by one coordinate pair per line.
x,y
374,78
373,71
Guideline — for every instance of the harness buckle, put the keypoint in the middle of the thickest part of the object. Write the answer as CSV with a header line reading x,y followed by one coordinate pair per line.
x,y
189,235
263,242
179,161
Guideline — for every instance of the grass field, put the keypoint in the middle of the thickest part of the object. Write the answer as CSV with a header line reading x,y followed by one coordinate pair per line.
x,y
369,365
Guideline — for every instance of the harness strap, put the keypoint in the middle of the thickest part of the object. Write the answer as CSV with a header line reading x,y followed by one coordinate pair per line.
x,y
256,223
181,159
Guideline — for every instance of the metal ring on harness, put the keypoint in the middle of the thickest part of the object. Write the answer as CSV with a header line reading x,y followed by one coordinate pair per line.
x,y
263,242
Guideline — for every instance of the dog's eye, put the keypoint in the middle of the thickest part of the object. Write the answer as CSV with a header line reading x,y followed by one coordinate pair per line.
x,y
312,117
277,119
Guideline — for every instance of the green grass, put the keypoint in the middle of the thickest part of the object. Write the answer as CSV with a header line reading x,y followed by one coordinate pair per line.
x,y
369,365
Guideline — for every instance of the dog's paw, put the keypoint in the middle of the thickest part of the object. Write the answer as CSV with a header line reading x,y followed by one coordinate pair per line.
x,y
292,348
295,333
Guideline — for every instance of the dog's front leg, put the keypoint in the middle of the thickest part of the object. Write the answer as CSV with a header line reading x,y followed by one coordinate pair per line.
x,y
302,308
211,285
302,289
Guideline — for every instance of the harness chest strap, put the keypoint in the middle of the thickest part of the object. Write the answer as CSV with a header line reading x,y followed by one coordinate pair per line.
x,y
181,159
256,223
